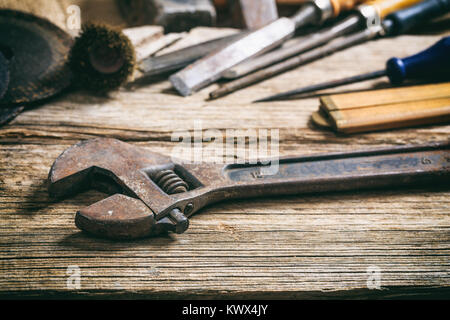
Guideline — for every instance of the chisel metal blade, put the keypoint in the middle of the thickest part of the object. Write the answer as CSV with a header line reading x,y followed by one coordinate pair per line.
x,y
324,85
211,68
179,59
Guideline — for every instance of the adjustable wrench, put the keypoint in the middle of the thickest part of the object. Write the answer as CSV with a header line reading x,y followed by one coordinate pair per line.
x,y
152,194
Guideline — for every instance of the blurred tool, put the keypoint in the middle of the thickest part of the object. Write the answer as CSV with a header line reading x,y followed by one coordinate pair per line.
x,y
142,35
37,51
251,14
7,113
4,73
366,17
432,63
212,67
173,15
404,20
176,60
370,31
33,67
148,40
281,54
179,59
345,27
384,109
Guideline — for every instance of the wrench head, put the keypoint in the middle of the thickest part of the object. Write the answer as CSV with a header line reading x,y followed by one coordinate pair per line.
x,y
98,162
121,170
122,217
118,216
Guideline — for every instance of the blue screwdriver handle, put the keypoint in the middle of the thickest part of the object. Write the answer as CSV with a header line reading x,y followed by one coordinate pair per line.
x,y
432,63
401,21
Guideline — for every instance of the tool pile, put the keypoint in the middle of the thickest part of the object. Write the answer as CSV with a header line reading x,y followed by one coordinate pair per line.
x,y
253,56
244,61
369,20
102,59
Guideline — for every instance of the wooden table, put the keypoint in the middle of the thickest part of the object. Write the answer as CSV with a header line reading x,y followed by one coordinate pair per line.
x,y
312,246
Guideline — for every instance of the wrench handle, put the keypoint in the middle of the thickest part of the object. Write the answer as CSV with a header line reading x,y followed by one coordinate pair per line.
x,y
344,171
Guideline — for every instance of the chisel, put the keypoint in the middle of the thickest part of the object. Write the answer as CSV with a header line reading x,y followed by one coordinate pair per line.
x,y
212,67
179,59
364,19
431,63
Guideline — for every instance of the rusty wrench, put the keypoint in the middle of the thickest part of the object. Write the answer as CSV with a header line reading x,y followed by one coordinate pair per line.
x,y
153,194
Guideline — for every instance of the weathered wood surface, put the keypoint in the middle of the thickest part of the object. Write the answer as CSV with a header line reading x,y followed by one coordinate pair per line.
x,y
288,247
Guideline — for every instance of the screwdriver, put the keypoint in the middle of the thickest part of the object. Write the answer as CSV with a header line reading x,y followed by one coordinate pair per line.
x,y
430,63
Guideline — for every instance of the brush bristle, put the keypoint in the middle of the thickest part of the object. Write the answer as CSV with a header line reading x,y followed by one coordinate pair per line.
x,y
102,58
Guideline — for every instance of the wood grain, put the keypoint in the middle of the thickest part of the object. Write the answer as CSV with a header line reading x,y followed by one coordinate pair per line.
x,y
310,246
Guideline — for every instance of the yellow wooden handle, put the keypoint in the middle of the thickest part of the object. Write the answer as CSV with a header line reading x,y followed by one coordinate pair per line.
x,y
343,5
385,7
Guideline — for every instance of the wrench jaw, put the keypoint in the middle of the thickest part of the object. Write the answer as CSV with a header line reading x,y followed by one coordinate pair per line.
x,y
125,173
123,217
59,188
78,165
91,178
117,217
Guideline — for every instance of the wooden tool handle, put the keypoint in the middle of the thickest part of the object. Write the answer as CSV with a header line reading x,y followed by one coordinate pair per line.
x,y
386,108
343,5
385,7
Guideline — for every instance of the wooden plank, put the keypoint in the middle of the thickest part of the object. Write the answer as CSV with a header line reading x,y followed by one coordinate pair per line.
x,y
283,247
